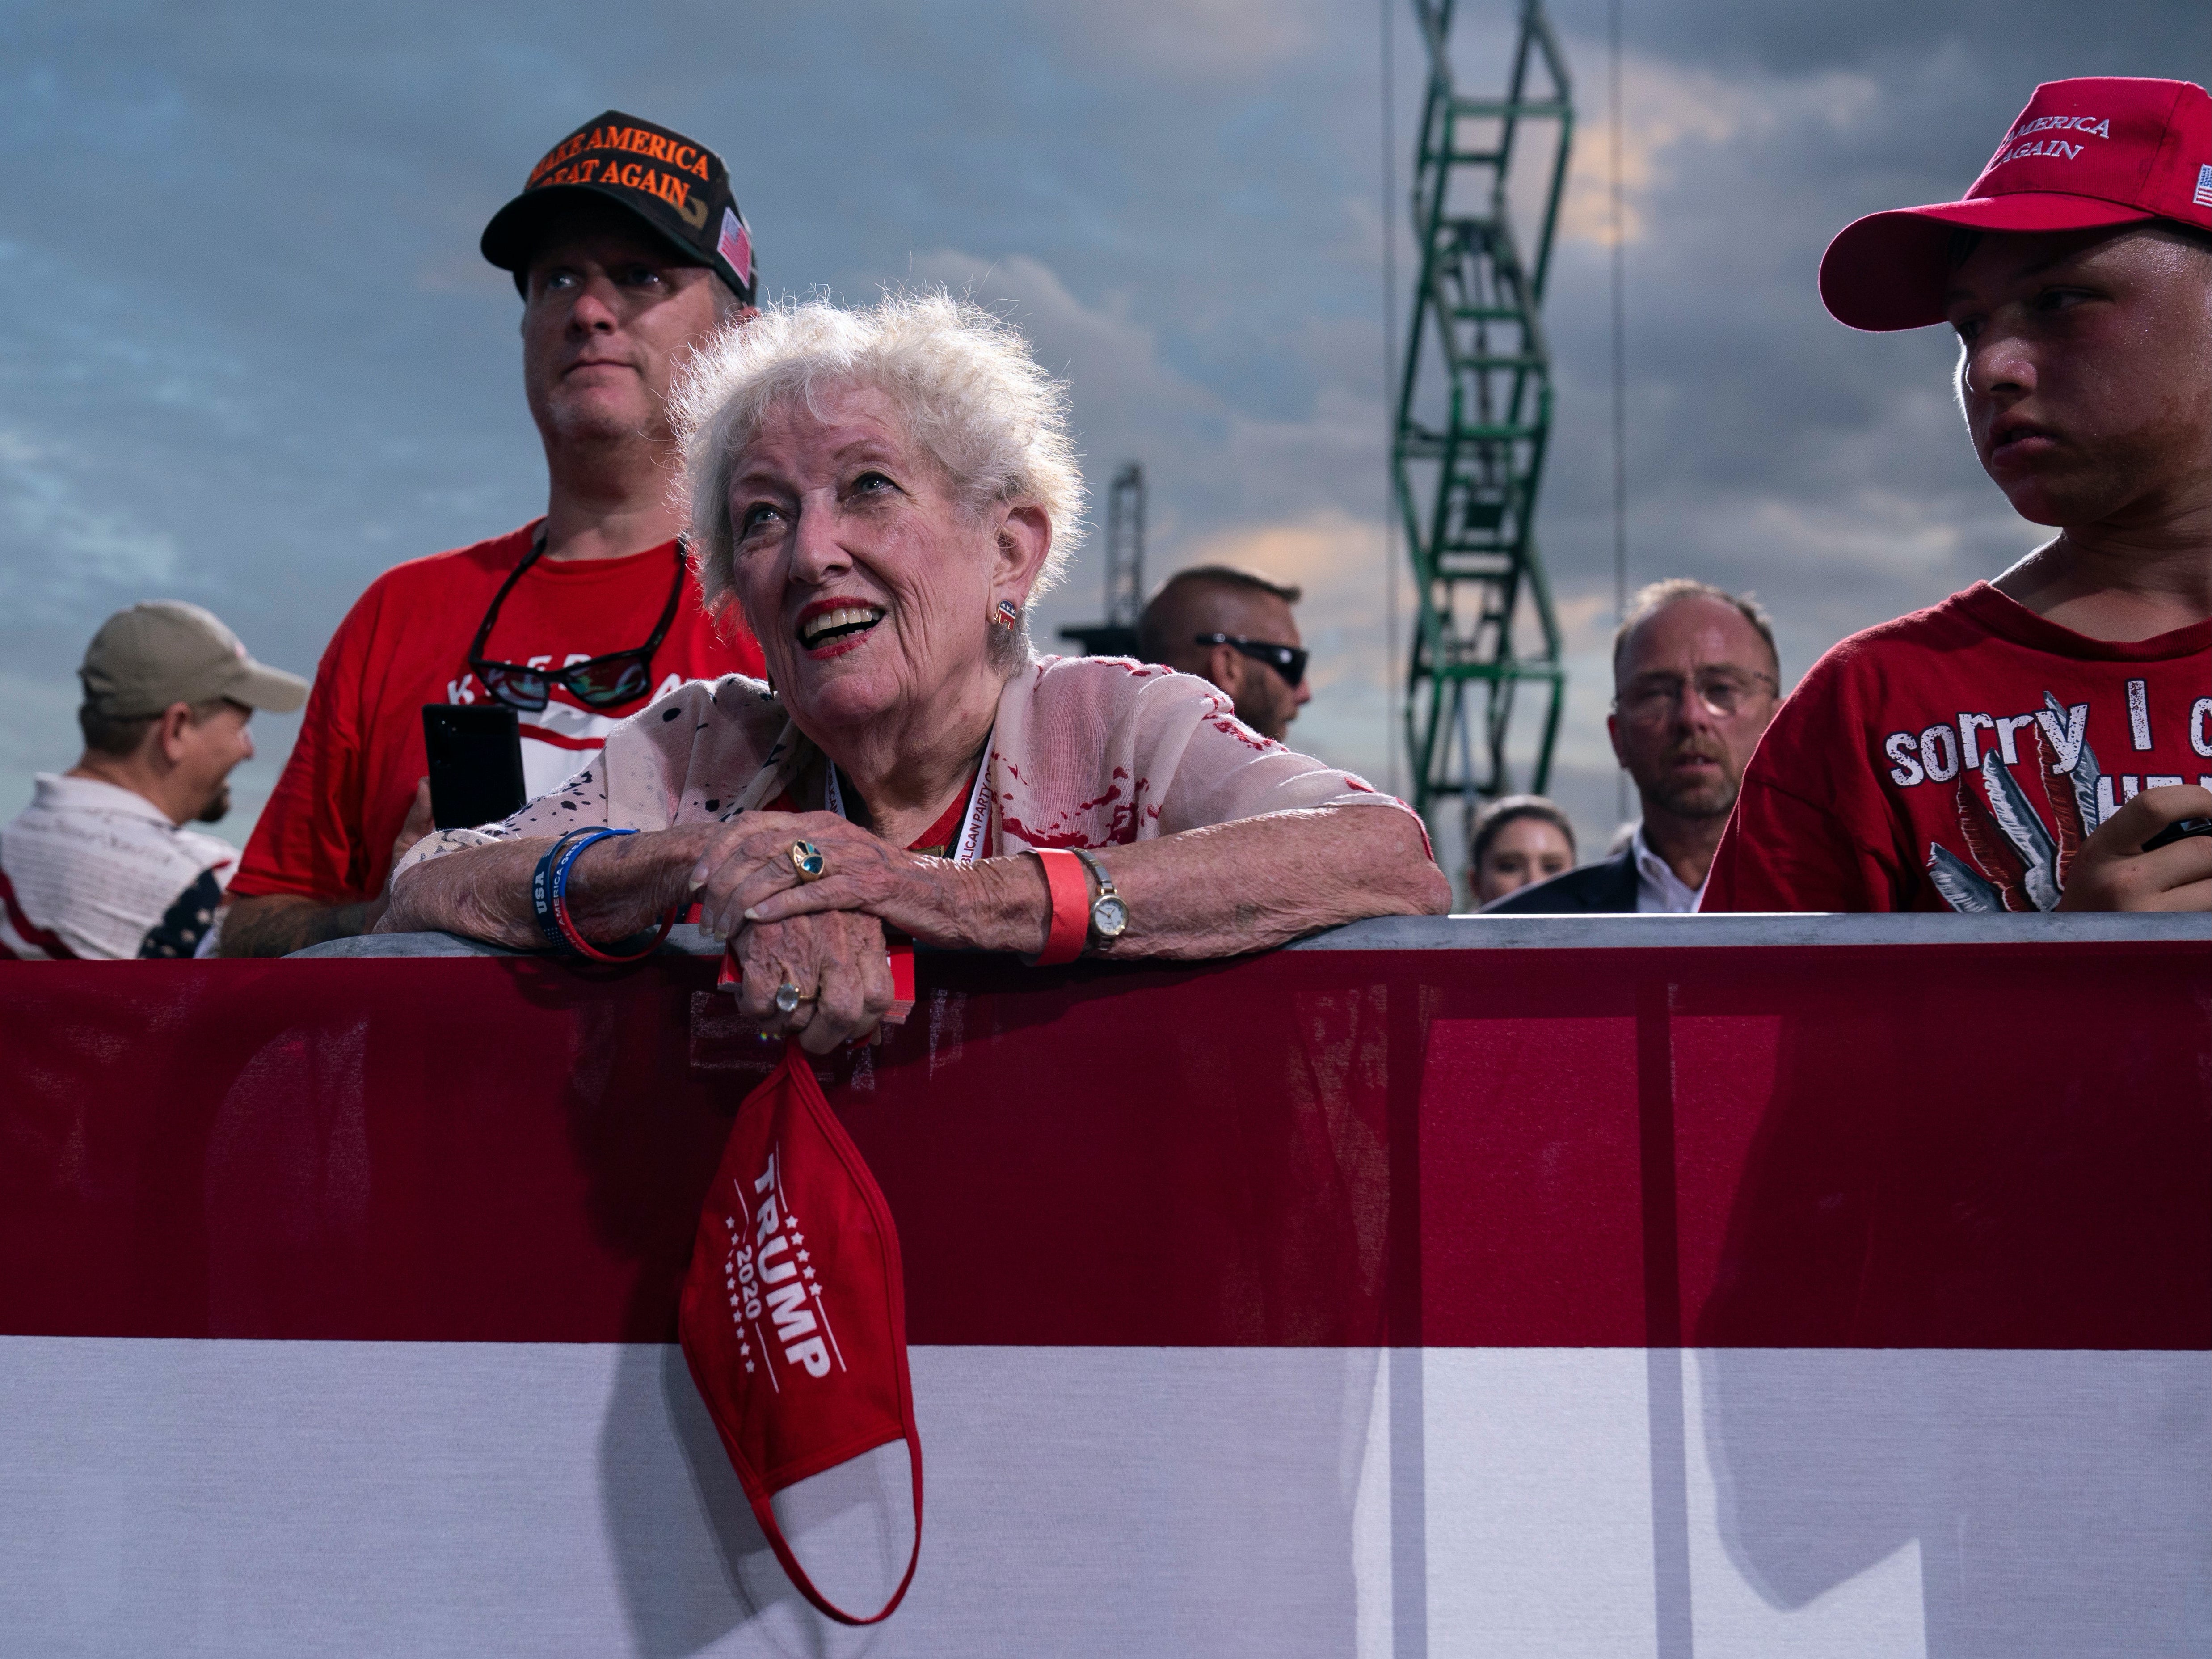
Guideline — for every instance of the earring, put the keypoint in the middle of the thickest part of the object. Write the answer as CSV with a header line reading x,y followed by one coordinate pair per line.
x,y
1006,615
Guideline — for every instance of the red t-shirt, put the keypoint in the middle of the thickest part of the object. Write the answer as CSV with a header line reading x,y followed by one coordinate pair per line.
x,y
936,841
1955,758
327,830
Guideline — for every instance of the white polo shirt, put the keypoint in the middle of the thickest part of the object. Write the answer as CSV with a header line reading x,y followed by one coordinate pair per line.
x,y
92,869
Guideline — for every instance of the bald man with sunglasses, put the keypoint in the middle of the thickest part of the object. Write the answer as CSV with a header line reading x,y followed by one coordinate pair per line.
x,y
1235,628
628,249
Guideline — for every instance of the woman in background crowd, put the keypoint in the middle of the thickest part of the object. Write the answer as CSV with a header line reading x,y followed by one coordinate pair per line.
x,y
1517,841
880,495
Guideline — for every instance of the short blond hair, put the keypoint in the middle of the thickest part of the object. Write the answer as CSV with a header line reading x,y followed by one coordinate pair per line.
x,y
962,381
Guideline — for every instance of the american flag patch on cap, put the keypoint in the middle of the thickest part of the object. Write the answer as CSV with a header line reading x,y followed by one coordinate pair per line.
x,y
737,245
2204,185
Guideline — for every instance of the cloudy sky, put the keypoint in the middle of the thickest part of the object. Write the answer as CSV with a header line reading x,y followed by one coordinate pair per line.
x,y
250,357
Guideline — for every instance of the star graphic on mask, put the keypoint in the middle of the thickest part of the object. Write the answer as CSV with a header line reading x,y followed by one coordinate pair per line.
x,y
809,1271
803,1256
797,1236
749,1368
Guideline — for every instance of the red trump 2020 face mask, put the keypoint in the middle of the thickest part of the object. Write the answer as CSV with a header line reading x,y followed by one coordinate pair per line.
x,y
793,1314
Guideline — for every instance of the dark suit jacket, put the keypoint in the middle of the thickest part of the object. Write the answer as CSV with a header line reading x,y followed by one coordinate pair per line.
x,y
1609,886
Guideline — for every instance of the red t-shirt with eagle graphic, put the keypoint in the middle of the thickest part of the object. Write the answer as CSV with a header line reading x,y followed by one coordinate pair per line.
x,y
1957,758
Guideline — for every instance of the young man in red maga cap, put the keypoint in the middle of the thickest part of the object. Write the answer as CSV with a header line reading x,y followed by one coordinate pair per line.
x,y
2015,747
628,249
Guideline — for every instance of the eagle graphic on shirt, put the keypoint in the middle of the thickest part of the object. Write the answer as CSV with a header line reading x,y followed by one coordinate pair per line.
x,y
2022,837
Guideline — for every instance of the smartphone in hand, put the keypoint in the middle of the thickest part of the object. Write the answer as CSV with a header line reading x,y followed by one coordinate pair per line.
x,y
476,762
2179,829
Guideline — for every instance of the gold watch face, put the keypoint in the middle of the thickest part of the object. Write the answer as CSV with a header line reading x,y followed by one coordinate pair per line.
x,y
1110,916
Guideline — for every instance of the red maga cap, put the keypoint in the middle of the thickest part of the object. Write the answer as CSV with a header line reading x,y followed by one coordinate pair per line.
x,y
2083,154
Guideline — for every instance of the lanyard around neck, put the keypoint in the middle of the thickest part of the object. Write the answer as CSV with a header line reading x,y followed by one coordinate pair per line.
x,y
559,676
972,827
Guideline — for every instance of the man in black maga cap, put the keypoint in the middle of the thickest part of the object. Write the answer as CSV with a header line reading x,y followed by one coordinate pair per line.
x,y
677,189
628,251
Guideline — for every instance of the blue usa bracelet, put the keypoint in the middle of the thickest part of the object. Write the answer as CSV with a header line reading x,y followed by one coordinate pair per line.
x,y
549,882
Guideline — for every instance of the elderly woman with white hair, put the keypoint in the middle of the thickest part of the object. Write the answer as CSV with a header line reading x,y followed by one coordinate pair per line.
x,y
881,495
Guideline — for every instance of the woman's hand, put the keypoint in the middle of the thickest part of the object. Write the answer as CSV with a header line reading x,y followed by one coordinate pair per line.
x,y
835,959
745,876
2113,872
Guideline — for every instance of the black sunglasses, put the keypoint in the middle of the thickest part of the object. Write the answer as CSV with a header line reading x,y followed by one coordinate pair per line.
x,y
1288,660
607,682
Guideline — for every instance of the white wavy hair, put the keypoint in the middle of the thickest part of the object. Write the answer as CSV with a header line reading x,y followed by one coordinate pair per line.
x,y
962,380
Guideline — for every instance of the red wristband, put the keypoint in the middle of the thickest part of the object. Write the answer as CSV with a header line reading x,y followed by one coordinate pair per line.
x,y
1071,907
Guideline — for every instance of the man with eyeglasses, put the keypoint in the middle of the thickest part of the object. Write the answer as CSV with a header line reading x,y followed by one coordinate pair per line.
x,y
1235,628
628,249
1696,680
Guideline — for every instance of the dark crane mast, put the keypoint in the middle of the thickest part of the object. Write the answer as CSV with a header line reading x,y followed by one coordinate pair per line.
x,y
1125,570
1474,414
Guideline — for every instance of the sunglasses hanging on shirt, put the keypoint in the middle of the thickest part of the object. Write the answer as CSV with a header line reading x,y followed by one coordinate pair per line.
x,y
607,682
1288,660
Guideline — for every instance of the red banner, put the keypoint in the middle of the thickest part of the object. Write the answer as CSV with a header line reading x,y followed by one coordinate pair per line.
x,y
1958,1146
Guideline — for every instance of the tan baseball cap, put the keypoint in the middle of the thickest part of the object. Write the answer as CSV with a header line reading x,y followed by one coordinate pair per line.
x,y
165,652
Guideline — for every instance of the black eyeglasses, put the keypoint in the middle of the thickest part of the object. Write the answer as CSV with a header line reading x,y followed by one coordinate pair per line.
x,y
1288,660
607,682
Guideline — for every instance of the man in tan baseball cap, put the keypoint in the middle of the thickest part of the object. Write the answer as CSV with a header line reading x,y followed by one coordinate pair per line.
x,y
101,865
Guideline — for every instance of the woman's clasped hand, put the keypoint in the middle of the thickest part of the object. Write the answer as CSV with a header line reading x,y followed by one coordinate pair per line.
x,y
840,954
880,496
747,875
788,927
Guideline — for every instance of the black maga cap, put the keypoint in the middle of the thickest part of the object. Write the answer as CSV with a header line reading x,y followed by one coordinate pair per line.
x,y
681,191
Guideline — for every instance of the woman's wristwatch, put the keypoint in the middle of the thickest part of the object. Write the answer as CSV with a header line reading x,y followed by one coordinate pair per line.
x,y
1109,916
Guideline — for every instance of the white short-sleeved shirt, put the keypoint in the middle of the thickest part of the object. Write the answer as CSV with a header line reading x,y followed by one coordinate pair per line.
x,y
90,869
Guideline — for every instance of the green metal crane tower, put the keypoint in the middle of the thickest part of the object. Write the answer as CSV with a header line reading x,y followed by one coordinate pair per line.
x,y
1475,412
